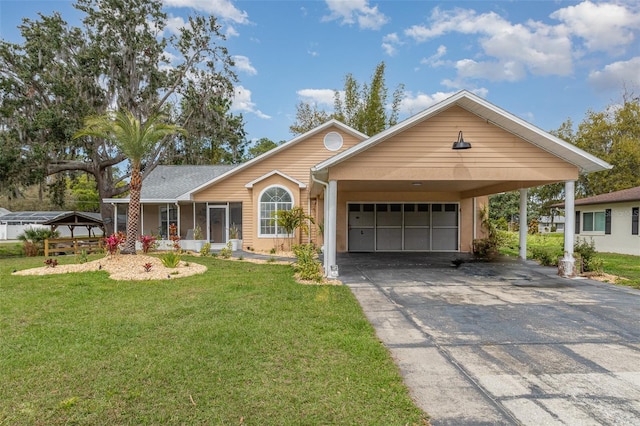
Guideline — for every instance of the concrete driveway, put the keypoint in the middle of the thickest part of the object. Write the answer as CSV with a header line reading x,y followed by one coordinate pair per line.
x,y
503,343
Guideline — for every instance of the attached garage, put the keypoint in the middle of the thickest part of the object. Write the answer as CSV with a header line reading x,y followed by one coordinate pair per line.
x,y
403,227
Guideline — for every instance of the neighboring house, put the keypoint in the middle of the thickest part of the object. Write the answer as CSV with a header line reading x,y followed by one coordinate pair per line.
x,y
547,224
13,224
407,188
610,221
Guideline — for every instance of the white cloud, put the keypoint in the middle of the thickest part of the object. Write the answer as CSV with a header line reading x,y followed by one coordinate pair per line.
x,y
244,64
390,43
412,104
603,26
223,9
513,48
356,11
231,32
317,96
174,23
435,60
617,75
242,103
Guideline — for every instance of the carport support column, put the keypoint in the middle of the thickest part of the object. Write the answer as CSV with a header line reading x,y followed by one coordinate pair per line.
x,y
330,229
567,265
524,223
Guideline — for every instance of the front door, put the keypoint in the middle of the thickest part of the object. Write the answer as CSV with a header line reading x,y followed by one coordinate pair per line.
x,y
218,224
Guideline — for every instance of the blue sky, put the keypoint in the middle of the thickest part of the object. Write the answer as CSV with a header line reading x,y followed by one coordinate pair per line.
x,y
544,61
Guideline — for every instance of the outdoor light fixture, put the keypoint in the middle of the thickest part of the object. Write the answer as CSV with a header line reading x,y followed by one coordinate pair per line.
x,y
460,143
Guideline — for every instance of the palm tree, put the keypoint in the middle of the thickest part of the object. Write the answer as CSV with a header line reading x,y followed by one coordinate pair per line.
x,y
136,140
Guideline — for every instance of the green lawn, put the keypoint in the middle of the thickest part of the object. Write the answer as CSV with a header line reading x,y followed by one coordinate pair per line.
x,y
240,344
623,265
552,245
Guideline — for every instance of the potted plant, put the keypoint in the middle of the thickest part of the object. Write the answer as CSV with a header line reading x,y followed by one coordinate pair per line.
x,y
234,237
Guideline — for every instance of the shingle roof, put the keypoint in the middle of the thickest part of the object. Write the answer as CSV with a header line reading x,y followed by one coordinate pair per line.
x,y
631,194
170,182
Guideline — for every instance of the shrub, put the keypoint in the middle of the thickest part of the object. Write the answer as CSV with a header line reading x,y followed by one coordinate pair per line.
x,y
226,252
206,249
30,249
148,243
114,242
546,255
486,248
307,265
33,239
170,259
587,251
82,257
51,263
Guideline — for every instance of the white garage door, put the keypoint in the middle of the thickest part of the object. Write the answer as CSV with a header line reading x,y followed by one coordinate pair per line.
x,y
403,227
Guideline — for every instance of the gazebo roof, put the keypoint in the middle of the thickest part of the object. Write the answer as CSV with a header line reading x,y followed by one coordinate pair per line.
x,y
73,219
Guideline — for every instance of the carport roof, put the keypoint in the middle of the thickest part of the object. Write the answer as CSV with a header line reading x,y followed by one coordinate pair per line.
x,y
491,113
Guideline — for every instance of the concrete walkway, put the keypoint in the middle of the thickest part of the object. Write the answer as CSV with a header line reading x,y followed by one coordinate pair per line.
x,y
503,343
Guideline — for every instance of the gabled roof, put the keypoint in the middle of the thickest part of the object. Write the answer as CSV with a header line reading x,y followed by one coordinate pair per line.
x,y
493,114
631,194
76,218
279,173
274,151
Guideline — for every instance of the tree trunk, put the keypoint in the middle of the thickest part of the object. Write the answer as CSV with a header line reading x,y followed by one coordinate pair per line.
x,y
134,211
104,182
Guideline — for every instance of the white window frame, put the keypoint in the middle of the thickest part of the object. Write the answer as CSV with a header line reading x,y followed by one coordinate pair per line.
x,y
276,208
593,222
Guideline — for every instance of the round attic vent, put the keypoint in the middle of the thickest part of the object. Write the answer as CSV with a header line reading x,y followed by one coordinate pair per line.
x,y
333,141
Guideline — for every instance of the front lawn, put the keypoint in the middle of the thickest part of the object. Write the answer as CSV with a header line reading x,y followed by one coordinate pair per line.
x,y
547,248
241,344
623,265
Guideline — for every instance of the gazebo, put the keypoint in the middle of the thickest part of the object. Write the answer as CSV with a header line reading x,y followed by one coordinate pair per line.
x,y
74,219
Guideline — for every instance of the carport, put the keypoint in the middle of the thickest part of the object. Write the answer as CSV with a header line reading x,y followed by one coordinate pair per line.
x,y
419,186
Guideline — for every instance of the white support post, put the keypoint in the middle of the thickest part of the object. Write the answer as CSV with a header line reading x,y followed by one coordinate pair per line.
x,y
524,223
331,240
115,218
567,264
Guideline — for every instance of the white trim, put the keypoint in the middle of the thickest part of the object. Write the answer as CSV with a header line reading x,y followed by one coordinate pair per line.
x,y
275,172
259,206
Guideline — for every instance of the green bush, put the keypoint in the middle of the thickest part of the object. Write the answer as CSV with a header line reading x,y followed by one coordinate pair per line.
x,y
307,266
226,252
33,239
205,250
587,251
170,259
546,255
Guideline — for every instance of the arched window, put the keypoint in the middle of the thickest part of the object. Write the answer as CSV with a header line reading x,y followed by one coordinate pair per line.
x,y
272,199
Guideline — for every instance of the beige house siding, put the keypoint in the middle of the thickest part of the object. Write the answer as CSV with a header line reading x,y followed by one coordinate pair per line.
x,y
294,162
424,152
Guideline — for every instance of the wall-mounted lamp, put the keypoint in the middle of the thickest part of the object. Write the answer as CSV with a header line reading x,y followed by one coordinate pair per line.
x,y
460,143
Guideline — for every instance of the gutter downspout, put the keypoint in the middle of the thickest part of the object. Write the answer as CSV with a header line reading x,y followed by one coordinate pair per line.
x,y
325,256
